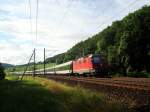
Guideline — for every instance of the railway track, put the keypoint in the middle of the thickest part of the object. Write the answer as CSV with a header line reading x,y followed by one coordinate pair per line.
x,y
136,89
115,82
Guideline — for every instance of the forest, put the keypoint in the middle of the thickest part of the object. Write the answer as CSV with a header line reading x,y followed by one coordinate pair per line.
x,y
126,44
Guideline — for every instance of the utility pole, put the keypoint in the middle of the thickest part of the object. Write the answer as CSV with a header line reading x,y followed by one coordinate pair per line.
x,y
55,66
44,62
27,66
34,64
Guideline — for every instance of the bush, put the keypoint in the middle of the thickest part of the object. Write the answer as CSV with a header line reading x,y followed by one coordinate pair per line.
x,y
139,74
2,72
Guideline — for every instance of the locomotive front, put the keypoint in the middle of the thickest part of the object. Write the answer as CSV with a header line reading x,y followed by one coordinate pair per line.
x,y
99,64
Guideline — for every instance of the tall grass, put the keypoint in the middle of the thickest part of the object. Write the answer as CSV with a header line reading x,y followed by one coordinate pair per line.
x,y
42,95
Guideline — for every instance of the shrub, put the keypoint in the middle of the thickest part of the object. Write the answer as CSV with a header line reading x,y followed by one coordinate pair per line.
x,y
2,72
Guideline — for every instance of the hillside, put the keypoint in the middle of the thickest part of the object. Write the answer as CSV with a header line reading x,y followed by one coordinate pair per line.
x,y
6,65
22,67
126,44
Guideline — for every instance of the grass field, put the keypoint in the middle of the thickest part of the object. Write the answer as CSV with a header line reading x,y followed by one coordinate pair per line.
x,y
21,68
42,95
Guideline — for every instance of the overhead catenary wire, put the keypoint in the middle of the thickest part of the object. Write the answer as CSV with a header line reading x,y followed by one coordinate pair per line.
x,y
30,22
68,7
65,13
103,10
114,16
36,32
34,42
98,15
36,35
30,17
57,2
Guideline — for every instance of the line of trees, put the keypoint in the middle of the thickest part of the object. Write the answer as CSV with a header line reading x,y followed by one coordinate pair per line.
x,y
126,44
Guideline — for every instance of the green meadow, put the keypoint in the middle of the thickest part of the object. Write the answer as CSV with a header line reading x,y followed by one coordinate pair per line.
x,y
30,68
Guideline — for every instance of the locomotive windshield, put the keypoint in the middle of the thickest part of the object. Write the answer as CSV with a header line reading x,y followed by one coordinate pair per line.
x,y
96,60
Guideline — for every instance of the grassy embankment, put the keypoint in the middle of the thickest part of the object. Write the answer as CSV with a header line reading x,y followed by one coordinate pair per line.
x,y
42,95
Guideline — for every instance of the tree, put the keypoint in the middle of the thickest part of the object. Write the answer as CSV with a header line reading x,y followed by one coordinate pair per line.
x,y
2,72
122,52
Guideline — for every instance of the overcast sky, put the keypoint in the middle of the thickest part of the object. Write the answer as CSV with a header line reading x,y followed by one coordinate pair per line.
x,y
61,24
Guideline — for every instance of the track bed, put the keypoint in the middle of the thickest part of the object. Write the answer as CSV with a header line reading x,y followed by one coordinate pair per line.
x,y
134,89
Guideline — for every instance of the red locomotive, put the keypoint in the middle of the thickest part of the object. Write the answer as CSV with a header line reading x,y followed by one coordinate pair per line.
x,y
93,64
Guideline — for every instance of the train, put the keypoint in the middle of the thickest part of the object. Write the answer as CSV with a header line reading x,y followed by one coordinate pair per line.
x,y
94,64
90,65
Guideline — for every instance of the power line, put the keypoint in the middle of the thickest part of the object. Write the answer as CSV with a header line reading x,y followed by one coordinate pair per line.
x,y
29,10
57,2
37,9
115,15
36,19
103,10
30,18
104,22
98,15
66,12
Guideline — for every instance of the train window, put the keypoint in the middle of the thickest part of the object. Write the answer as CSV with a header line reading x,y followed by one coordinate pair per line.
x,y
96,60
